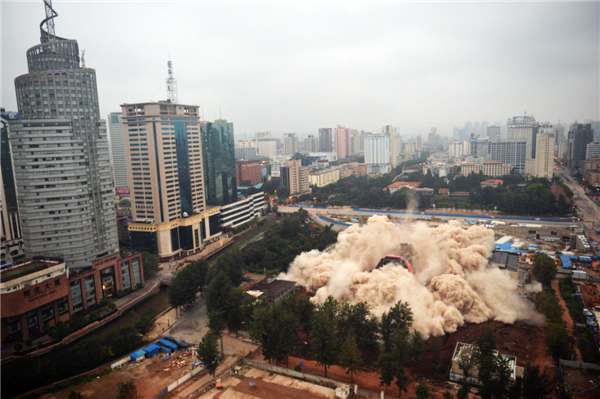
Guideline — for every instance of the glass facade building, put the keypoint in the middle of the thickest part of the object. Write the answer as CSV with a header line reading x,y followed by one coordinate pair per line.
x,y
218,148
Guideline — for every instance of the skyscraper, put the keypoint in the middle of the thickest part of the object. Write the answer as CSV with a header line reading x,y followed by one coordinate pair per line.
x,y
494,132
117,144
295,177
325,140
60,150
168,198
311,143
580,136
218,148
342,141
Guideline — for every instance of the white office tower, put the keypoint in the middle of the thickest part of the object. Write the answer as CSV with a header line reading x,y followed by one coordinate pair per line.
x,y
523,127
509,152
377,154
459,149
395,143
544,154
117,144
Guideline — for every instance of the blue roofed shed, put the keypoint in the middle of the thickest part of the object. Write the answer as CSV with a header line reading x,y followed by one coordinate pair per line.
x,y
137,356
566,261
152,350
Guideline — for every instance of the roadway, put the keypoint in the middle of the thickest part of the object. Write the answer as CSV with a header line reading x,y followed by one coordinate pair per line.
x,y
589,210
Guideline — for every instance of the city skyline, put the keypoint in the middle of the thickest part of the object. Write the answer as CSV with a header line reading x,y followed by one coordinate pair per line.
x,y
417,65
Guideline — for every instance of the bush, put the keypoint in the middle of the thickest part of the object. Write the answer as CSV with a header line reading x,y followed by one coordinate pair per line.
x,y
298,368
146,320
112,306
18,347
120,294
104,301
60,331
92,316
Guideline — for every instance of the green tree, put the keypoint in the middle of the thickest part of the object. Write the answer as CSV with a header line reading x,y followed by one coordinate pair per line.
x,y
184,287
557,339
447,395
127,390
146,320
324,343
283,192
387,369
422,391
544,269
399,317
350,358
208,352
151,264
417,345
217,323
463,391
217,291
401,380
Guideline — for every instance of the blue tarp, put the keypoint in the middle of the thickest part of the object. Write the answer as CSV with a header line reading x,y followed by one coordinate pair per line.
x,y
152,350
507,246
134,356
168,343
575,258
586,259
566,261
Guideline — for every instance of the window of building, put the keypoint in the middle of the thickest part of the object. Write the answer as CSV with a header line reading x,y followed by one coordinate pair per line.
x,y
76,296
135,265
90,290
126,275
48,312
63,305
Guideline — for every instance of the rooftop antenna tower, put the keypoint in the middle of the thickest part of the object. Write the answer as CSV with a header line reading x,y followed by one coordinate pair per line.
x,y
171,84
48,35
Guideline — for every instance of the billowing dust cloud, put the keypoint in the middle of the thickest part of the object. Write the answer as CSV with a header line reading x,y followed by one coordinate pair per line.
x,y
451,284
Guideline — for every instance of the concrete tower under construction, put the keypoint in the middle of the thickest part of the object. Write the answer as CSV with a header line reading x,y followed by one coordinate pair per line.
x,y
61,158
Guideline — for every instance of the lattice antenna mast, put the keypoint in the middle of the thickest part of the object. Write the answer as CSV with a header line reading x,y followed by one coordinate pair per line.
x,y
171,85
48,34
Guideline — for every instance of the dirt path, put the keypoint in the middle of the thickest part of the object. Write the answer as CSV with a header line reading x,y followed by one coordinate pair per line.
x,y
567,319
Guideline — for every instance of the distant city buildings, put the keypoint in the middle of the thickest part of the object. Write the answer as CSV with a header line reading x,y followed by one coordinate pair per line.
x,y
523,127
290,143
544,155
322,178
510,152
248,173
592,150
395,143
494,132
488,168
311,144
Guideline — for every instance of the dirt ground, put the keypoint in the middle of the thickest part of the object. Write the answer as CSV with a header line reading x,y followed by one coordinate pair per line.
x,y
149,376
581,381
526,342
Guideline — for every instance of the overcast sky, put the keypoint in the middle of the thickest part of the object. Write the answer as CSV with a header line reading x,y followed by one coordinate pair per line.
x,y
297,67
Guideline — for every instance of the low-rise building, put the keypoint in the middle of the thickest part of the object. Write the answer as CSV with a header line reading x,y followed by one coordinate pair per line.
x,y
37,294
273,290
488,168
491,183
242,211
592,176
392,188
322,178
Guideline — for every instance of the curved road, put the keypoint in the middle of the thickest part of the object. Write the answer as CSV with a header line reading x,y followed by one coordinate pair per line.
x,y
589,210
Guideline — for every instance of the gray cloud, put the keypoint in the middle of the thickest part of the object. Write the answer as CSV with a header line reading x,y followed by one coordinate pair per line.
x,y
297,67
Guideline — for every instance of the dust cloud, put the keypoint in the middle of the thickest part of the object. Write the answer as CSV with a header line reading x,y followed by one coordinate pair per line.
x,y
451,284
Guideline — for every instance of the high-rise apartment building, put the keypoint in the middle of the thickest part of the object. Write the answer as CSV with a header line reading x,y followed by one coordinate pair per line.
x,y
342,141
12,239
433,140
163,147
559,131
480,147
311,143
61,157
580,135
377,154
523,127
395,143
544,154
290,143
510,152
295,177
419,142
218,148
325,143
117,144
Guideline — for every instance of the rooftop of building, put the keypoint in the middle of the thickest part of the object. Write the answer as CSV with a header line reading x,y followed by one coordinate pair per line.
x,y
490,182
492,162
398,184
11,272
273,288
